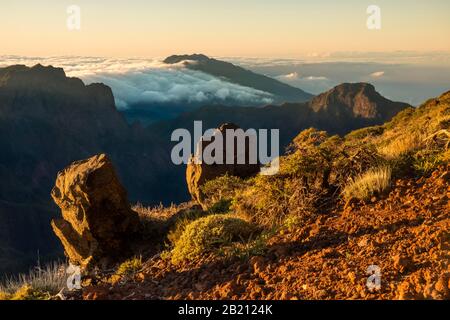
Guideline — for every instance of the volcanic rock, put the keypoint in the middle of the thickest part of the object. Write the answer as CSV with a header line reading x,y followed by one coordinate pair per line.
x,y
98,223
198,172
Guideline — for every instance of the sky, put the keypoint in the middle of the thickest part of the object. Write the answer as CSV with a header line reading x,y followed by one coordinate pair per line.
x,y
244,28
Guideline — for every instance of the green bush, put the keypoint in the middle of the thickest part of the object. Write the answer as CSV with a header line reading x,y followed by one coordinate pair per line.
x,y
218,191
186,218
130,267
253,247
221,206
427,160
207,234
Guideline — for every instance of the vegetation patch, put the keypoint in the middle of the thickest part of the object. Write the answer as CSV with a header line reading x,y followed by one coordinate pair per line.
x,y
130,267
180,224
38,284
207,234
374,181
219,192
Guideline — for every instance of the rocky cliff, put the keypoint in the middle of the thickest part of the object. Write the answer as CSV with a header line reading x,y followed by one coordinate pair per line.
x,y
359,100
48,120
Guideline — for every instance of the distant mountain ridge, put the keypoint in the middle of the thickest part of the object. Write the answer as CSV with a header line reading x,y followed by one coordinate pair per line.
x,y
359,99
331,115
282,92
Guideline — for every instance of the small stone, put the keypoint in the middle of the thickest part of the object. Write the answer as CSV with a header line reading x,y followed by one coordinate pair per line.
x,y
402,263
258,264
363,242
321,294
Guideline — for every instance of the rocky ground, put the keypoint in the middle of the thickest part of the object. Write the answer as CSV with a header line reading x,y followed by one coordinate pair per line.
x,y
405,233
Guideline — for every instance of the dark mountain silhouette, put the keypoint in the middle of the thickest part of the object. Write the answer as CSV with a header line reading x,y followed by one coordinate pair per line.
x,y
48,120
282,92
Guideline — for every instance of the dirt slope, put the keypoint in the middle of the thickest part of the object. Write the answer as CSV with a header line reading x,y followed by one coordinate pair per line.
x,y
405,233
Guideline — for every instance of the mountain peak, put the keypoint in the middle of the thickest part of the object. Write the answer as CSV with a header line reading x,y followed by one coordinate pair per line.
x,y
179,58
281,92
42,92
361,99
18,75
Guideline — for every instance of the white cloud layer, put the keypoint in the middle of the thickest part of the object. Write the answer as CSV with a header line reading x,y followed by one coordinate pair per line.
x,y
377,74
149,81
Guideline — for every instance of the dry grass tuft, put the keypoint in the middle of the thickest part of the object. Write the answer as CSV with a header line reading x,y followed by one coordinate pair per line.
x,y
374,181
402,146
39,283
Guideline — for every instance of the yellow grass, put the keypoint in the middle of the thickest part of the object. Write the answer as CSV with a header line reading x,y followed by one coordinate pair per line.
x,y
401,146
366,185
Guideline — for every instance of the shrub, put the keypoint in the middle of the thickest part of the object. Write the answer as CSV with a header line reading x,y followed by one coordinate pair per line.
x,y
180,224
207,234
27,292
221,206
130,267
374,181
352,159
427,160
271,198
246,249
401,118
218,191
292,221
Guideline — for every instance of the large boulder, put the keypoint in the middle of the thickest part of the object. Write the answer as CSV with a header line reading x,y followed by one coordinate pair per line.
x,y
97,225
198,172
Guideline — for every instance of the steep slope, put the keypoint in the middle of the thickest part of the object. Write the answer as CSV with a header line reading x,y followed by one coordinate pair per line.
x,y
235,74
319,243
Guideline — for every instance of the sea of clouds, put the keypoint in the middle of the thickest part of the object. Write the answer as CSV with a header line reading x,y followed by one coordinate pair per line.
x,y
407,76
411,77
150,81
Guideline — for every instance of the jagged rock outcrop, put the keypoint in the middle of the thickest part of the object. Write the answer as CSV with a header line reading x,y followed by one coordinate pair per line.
x,y
357,100
199,172
98,224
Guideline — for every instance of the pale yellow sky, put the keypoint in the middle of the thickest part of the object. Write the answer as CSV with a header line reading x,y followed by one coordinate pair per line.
x,y
257,28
